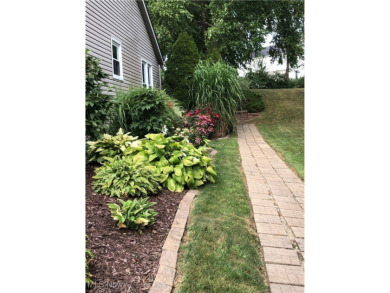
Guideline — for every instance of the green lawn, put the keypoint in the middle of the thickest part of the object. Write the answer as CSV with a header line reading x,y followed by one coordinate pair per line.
x,y
221,249
282,124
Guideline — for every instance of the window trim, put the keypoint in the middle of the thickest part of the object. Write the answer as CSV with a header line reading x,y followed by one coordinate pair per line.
x,y
150,71
118,43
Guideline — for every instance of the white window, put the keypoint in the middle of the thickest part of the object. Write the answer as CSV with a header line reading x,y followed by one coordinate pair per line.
x,y
147,74
116,48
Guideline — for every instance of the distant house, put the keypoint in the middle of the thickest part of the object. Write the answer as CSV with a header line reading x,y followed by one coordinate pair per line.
x,y
121,35
272,68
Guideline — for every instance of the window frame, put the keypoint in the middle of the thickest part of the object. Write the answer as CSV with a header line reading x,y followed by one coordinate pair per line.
x,y
118,44
149,73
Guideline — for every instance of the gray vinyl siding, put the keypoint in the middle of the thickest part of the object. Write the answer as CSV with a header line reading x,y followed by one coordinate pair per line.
x,y
122,20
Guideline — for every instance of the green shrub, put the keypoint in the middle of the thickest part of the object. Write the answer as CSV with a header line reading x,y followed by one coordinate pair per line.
x,y
109,146
261,79
217,85
177,162
278,81
144,110
214,56
297,83
180,68
134,214
244,82
97,104
88,258
253,102
120,176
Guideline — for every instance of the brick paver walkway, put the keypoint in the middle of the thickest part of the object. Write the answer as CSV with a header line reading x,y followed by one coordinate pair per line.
x,y
277,197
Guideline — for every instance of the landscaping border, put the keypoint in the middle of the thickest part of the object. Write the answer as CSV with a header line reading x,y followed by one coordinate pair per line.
x,y
163,283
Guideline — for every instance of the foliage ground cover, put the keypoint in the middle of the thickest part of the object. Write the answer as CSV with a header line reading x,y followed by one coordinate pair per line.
x,y
89,256
109,146
121,177
221,250
133,214
282,124
171,161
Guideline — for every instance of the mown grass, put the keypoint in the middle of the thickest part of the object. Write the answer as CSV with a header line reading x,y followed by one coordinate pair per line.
x,y
221,249
282,124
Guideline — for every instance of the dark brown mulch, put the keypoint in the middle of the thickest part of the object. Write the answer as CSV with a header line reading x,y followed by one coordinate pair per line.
x,y
125,260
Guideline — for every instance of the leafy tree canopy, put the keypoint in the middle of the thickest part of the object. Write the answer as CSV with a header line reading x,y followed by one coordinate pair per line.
x,y
239,29
287,23
236,28
214,56
170,18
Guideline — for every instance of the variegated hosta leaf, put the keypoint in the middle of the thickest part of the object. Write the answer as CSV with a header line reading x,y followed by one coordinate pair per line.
x,y
109,146
123,177
135,214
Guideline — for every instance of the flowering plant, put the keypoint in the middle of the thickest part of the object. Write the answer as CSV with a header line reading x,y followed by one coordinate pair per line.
x,y
200,123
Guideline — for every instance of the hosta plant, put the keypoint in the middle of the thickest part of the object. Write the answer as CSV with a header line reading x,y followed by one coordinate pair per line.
x,y
122,177
88,258
178,163
134,214
109,146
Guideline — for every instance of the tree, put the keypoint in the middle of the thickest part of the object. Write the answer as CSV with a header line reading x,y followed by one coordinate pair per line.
x,y
235,28
170,18
214,56
287,23
239,29
201,23
180,68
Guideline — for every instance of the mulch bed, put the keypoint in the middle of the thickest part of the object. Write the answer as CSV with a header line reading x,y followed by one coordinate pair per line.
x,y
125,260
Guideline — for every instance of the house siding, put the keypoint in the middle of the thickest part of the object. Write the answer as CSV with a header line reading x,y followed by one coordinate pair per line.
x,y
123,21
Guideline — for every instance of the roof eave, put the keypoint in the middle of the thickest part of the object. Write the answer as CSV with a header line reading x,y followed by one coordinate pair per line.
x,y
150,29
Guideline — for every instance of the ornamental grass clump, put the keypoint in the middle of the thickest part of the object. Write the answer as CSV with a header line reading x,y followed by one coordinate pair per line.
x,y
121,177
216,84
109,146
134,214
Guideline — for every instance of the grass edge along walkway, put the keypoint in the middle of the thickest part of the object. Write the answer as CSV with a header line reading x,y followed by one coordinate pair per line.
x,y
282,125
221,250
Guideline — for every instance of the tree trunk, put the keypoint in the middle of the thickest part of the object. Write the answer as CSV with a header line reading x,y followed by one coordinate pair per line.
x,y
287,69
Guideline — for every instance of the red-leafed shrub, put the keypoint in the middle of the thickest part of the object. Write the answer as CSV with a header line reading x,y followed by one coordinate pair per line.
x,y
201,125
